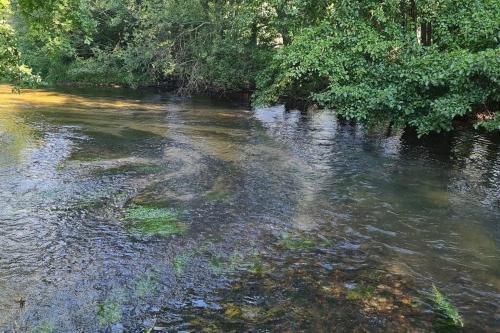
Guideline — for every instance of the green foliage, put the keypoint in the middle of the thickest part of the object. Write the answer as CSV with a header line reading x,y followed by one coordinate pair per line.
x,y
364,59
202,45
11,67
446,309
400,62
155,221
492,124
8,54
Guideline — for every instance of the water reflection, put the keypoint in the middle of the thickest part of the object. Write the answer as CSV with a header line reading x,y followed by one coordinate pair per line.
x,y
433,210
281,210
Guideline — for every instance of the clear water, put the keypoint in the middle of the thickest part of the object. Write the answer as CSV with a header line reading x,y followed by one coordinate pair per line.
x,y
292,222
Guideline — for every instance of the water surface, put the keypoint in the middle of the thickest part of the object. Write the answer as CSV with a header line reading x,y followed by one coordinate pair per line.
x,y
287,221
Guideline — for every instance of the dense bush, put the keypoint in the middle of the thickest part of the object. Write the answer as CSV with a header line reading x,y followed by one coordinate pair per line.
x,y
365,60
399,62
202,45
11,67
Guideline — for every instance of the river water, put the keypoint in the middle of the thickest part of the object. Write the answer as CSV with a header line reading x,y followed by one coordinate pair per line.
x,y
269,220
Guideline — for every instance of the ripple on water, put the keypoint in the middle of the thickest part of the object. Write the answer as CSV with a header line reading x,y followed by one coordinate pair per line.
x,y
293,222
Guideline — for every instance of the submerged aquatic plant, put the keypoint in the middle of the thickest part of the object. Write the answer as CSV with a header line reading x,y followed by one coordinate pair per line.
x,y
93,199
448,312
109,312
60,167
146,285
255,265
137,169
218,196
44,327
181,261
236,261
298,243
155,221
360,293
218,265
122,195
146,213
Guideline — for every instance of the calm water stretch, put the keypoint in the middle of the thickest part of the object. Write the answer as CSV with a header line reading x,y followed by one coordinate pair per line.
x,y
140,212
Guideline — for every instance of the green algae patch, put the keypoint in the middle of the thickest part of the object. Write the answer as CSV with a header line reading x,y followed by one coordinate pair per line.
x,y
147,285
448,313
296,243
217,265
218,197
235,262
134,169
360,293
44,327
61,167
181,261
152,221
238,262
109,312
255,265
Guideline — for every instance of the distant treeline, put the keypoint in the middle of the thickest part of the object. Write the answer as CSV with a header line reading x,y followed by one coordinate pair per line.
x,y
411,63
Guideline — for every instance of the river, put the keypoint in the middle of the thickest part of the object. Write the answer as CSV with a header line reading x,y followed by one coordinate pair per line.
x,y
136,211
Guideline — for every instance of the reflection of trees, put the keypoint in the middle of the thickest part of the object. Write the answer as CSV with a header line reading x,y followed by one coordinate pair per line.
x,y
307,160
477,168
414,201
473,160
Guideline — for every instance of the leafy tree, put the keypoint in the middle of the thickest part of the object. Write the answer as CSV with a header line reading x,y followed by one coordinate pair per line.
x,y
399,62
11,68
371,62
